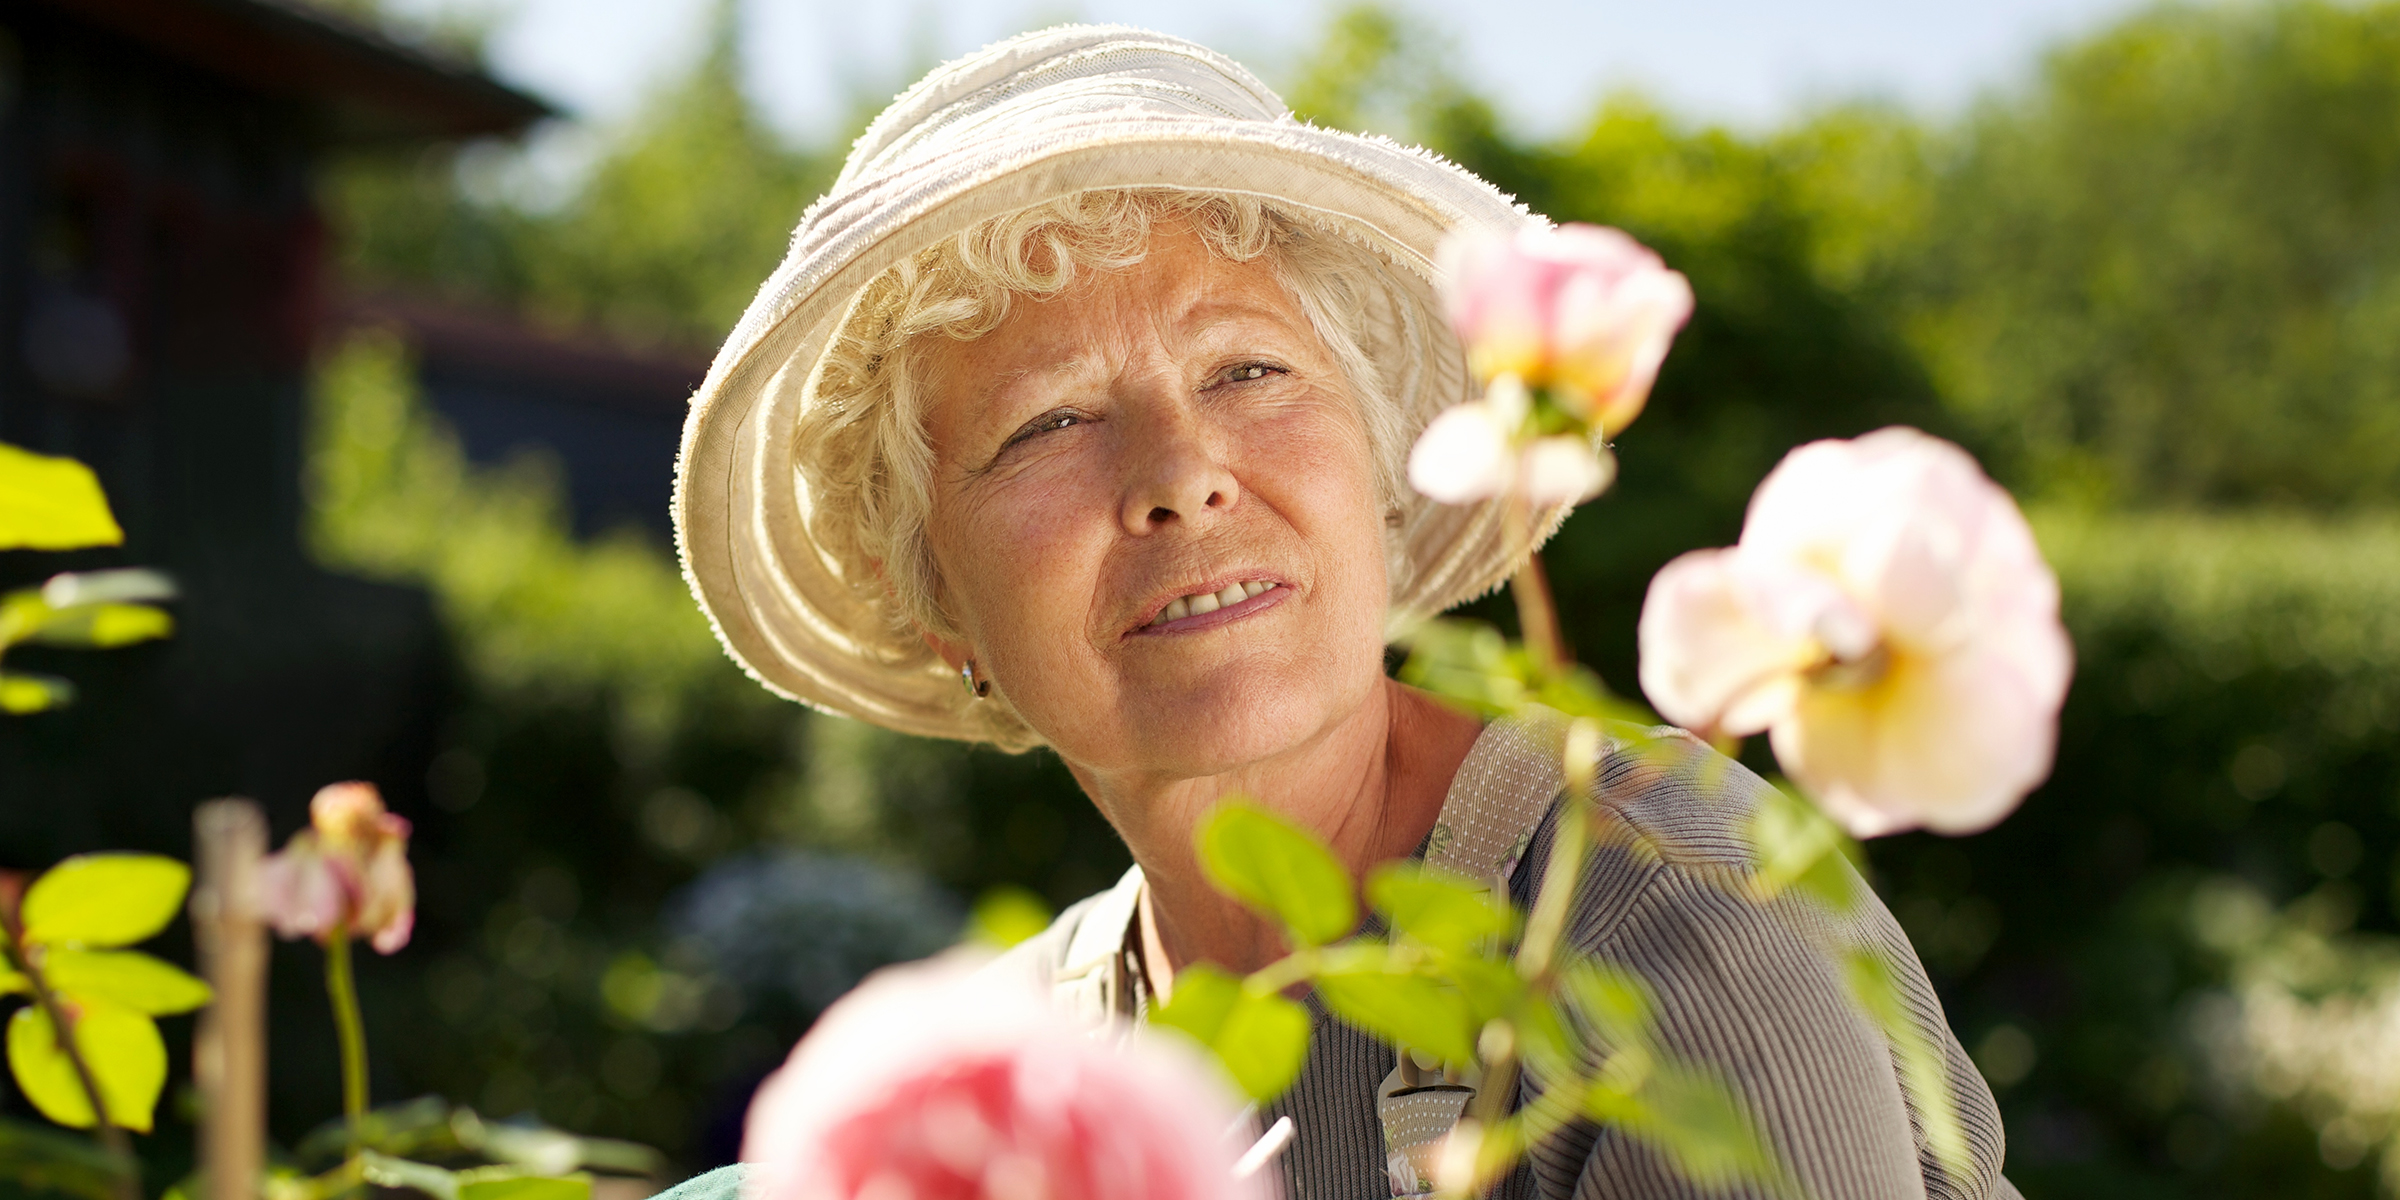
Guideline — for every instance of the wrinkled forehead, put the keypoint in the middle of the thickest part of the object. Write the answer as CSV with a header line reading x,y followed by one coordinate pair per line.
x,y
1182,300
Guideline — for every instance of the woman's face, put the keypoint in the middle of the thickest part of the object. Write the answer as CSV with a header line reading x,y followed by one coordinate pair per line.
x,y
1155,516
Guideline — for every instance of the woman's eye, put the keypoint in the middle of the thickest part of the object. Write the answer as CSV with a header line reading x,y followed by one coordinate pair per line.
x,y
1046,423
1246,372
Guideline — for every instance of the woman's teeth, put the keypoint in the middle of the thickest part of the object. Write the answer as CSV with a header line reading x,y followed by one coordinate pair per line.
x,y
1200,603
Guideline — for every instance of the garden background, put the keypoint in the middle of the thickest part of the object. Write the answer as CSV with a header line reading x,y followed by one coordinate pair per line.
x,y
2156,289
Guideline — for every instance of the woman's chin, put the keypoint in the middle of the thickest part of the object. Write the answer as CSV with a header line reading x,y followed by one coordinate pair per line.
x,y
1213,730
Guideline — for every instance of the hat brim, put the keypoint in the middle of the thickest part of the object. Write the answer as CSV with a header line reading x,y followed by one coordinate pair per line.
x,y
785,611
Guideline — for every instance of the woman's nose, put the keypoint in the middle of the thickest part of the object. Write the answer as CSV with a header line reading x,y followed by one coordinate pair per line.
x,y
1176,477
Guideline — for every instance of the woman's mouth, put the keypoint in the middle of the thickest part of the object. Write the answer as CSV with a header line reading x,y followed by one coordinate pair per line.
x,y
1202,610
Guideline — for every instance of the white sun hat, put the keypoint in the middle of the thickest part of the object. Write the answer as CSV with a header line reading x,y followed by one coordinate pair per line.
x,y
1029,120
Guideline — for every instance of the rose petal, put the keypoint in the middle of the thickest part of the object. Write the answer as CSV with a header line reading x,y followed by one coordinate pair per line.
x,y
301,891
1462,457
1707,660
883,1094
1565,469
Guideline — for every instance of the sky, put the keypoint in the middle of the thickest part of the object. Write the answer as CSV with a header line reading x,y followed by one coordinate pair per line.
x,y
1748,63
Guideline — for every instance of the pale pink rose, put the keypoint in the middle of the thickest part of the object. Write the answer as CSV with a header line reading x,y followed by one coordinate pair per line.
x,y
935,1083
302,890
1466,454
348,871
1890,624
1581,310
1472,452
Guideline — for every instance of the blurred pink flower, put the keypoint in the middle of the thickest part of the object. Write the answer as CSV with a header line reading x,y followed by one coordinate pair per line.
x,y
1470,452
1581,310
348,870
1889,622
934,1083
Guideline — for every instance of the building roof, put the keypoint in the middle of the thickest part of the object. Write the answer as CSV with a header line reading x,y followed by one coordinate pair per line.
x,y
371,86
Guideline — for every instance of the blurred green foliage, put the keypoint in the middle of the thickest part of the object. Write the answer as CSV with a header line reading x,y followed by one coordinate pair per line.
x,y
2172,273
665,240
2154,288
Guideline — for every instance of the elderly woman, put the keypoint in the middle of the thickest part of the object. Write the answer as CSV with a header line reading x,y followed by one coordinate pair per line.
x,y
1076,418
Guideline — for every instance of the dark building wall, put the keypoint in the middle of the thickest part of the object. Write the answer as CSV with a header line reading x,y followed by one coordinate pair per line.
x,y
160,267
610,419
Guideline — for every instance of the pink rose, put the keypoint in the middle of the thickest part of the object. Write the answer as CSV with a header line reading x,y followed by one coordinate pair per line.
x,y
935,1083
1472,452
1581,310
348,871
1890,624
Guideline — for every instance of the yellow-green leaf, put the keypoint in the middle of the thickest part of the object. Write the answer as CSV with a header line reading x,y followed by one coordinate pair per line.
x,y
1923,1073
101,626
1401,1007
13,984
127,978
1262,1040
51,504
1275,867
1491,986
122,1047
21,693
1697,1121
104,900
1005,916
1438,908
38,1158
1796,843
1614,1000
526,1187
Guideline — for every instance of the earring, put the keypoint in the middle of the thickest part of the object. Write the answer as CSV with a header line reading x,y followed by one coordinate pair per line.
x,y
977,688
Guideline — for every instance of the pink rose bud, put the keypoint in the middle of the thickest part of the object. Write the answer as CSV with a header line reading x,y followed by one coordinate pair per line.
x,y
302,889
1581,310
1890,624
348,871
932,1081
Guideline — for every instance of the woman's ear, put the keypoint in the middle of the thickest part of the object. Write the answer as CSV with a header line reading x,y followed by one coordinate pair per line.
x,y
954,653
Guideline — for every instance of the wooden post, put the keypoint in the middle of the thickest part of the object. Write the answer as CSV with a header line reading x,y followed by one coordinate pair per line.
x,y
229,1053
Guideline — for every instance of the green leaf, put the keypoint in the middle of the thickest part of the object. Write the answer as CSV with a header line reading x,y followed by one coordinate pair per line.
x,y
52,504
1924,1070
102,626
1693,1119
1201,998
1438,908
104,899
1273,866
1490,986
126,978
120,585
1472,665
39,1159
21,693
1005,916
1795,843
1378,995
385,1170
523,1187
122,1047
1262,1040
1613,1000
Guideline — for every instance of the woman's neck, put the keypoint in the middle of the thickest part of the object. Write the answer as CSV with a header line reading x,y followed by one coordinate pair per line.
x,y
1370,787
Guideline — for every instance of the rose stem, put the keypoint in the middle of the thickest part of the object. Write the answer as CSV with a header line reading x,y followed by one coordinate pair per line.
x,y
111,1138
1537,613
339,984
